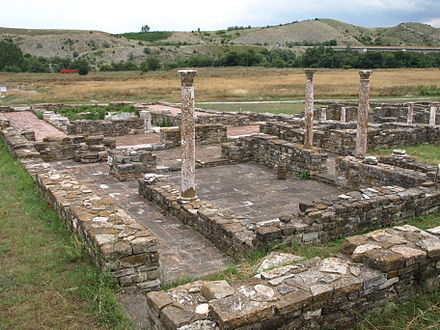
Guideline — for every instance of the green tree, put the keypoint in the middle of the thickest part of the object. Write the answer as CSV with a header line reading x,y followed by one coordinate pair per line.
x,y
10,55
150,64
145,28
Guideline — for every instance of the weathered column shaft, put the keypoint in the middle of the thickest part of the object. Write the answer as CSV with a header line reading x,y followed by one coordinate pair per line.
x,y
432,114
343,115
308,108
187,133
323,114
362,120
146,115
410,115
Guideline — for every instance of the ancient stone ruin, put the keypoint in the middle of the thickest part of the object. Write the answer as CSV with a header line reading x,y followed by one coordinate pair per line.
x,y
156,204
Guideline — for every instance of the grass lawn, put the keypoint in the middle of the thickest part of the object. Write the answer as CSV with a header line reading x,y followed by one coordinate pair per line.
x,y
426,153
289,108
47,280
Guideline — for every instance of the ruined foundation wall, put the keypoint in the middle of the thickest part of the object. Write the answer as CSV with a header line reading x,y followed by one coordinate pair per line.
x,y
340,138
106,127
354,173
385,265
335,217
131,163
84,149
205,134
271,151
115,241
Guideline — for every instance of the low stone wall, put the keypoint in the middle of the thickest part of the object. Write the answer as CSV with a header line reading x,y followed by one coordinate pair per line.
x,y
131,163
205,134
106,127
18,143
339,216
84,149
271,151
4,122
353,173
386,265
400,159
379,112
340,138
228,234
116,242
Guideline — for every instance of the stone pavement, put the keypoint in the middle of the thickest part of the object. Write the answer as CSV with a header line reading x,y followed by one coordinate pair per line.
x,y
205,153
183,252
243,130
27,121
131,140
253,191
173,110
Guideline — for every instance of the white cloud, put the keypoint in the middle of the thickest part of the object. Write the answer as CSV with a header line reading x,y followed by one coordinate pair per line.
x,y
129,15
434,22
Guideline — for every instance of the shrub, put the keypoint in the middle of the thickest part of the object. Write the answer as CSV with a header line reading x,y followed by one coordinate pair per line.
x,y
304,175
150,64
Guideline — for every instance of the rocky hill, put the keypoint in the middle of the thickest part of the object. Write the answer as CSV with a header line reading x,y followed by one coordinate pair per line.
x,y
100,47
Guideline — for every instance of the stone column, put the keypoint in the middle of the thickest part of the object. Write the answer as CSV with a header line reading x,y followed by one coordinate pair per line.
x,y
343,115
323,114
362,120
432,113
308,108
410,115
187,133
146,115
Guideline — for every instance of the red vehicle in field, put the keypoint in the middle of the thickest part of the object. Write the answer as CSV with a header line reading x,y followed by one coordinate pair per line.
x,y
68,70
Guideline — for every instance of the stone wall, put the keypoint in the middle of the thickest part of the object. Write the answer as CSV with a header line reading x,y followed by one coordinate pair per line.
x,y
271,151
340,138
380,112
106,127
347,214
4,122
337,292
116,242
353,172
84,149
205,134
131,163
228,234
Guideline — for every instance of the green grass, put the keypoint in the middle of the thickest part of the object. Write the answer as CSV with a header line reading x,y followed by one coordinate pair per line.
x,y
420,312
47,280
425,153
147,36
289,108
93,112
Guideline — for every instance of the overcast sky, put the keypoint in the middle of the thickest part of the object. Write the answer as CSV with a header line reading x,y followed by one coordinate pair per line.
x,y
172,15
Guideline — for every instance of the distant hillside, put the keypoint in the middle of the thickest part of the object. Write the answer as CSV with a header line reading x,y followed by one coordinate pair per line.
x,y
103,48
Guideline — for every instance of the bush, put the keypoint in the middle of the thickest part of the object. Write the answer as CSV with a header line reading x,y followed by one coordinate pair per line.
x,y
150,64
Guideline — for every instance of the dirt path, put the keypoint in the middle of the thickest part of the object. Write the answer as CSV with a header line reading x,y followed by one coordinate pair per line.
x,y
27,121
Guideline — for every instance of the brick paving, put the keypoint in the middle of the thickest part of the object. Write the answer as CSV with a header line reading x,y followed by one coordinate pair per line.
x,y
27,121
183,252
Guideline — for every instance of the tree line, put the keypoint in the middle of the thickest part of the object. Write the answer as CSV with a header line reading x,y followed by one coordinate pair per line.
x,y
13,60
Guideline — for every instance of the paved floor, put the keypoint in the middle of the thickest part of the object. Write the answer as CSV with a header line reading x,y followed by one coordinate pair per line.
x,y
132,140
26,120
183,252
171,157
173,110
243,130
252,191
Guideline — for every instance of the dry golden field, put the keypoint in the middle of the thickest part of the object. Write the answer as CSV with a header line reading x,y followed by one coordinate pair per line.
x,y
212,84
